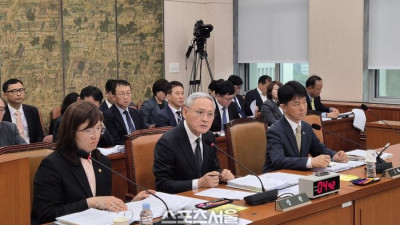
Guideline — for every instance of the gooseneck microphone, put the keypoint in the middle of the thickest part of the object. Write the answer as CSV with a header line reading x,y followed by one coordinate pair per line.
x,y
318,127
365,108
85,155
256,199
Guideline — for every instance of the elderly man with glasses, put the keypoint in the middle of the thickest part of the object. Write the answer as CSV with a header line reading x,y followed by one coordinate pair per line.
x,y
26,117
183,157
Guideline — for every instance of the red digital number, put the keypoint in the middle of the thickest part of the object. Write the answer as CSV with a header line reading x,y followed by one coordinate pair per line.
x,y
332,185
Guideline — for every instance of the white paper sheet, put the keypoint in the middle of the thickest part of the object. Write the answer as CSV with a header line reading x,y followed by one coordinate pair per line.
x,y
115,149
359,119
224,193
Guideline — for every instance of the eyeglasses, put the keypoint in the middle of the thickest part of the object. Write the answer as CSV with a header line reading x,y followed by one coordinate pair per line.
x,y
128,94
201,113
94,130
15,91
227,99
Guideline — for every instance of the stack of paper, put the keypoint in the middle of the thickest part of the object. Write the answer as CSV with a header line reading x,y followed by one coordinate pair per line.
x,y
358,154
115,149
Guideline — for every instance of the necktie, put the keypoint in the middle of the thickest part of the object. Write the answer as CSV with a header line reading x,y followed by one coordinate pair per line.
x,y
312,104
129,121
240,111
18,122
197,153
224,120
179,118
298,137
88,167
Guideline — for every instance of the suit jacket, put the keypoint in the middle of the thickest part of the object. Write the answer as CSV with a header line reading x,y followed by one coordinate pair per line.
x,y
319,107
174,160
282,151
32,118
270,112
240,102
250,97
9,134
103,106
116,126
233,114
61,188
149,110
165,118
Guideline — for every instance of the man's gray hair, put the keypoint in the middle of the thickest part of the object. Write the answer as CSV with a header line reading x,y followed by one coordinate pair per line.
x,y
197,95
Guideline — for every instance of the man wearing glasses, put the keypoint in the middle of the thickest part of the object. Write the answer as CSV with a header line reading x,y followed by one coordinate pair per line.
x,y
26,117
182,158
226,109
120,119
9,132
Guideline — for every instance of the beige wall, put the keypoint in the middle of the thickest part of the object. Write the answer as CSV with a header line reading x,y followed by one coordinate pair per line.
x,y
336,47
179,20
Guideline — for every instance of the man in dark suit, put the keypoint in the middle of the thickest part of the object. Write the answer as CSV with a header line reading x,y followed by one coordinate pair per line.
x,y
238,99
314,87
259,94
9,132
172,115
291,140
120,119
26,117
182,159
225,109
109,97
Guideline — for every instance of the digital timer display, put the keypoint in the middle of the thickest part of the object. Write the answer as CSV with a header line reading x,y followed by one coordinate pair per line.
x,y
324,186
318,185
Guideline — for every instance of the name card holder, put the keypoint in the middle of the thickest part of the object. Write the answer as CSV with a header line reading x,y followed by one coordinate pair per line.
x,y
393,172
292,202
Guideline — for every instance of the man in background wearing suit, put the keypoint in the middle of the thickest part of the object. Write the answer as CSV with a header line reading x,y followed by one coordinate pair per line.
x,y
26,117
182,159
291,140
172,115
259,94
109,97
314,87
9,132
225,109
238,99
120,119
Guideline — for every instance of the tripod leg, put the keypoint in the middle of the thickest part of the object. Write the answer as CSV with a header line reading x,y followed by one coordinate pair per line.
x,y
208,66
192,82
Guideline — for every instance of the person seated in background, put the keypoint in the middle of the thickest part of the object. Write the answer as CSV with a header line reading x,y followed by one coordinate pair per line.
x,y
68,100
259,94
270,110
65,183
9,132
211,88
292,144
238,99
26,117
225,109
108,101
120,119
314,87
152,106
182,159
172,115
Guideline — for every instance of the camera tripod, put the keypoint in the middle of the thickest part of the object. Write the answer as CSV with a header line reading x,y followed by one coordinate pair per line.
x,y
199,56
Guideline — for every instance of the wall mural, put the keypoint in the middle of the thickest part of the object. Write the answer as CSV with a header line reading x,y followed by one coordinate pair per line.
x,y
58,47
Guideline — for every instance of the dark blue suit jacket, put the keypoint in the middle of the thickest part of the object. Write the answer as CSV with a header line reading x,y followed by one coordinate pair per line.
x,y
233,114
116,126
165,118
174,160
319,107
282,151
33,119
103,106
250,97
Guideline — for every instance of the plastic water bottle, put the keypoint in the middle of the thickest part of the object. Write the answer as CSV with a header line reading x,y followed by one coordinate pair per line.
x,y
371,163
146,216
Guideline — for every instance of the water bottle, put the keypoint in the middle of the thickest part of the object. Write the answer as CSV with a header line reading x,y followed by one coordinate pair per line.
x,y
370,161
146,216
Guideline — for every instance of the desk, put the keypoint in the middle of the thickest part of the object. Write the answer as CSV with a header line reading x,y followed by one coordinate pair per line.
x,y
343,127
378,133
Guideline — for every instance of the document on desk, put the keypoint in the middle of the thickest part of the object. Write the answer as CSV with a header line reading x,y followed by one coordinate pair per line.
x,y
359,154
338,167
115,149
270,181
224,193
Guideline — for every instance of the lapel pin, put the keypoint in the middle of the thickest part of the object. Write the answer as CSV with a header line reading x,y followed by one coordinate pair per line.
x,y
99,170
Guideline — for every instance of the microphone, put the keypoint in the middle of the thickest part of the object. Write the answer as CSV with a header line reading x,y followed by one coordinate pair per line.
x,y
365,108
256,199
381,165
85,155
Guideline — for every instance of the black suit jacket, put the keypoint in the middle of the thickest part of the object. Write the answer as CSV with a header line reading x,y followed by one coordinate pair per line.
x,y
250,97
61,188
240,102
174,160
233,114
282,151
319,107
116,126
32,118
165,118
103,106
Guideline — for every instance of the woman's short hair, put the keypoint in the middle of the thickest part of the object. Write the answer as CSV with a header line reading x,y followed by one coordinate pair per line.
x,y
75,115
270,87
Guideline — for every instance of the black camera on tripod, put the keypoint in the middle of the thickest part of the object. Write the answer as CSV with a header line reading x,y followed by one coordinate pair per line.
x,y
201,32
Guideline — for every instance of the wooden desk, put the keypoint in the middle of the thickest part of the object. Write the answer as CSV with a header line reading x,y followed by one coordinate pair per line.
x,y
343,127
378,133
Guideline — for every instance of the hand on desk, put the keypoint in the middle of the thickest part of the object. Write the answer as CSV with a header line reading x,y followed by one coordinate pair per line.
x,y
110,203
320,161
210,179
142,195
335,110
341,157
226,175
332,114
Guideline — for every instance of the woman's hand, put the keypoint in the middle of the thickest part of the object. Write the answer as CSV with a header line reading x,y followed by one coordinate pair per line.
x,y
142,195
110,203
